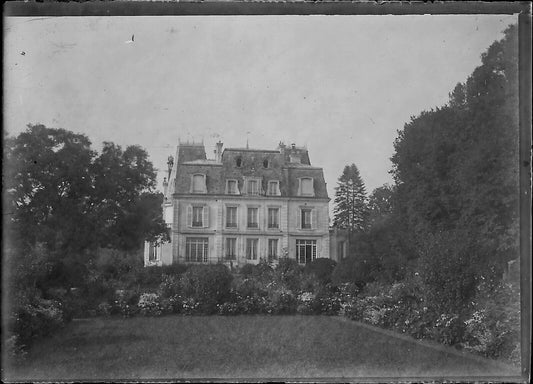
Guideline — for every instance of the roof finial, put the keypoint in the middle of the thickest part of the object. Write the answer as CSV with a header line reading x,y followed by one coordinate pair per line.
x,y
247,133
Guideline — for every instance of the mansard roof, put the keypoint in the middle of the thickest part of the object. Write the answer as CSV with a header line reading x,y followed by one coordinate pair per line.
x,y
240,163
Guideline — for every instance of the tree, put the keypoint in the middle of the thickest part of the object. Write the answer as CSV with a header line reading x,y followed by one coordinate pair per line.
x,y
59,193
48,186
350,210
456,173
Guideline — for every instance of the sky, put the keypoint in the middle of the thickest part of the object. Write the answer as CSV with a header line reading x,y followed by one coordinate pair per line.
x,y
340,85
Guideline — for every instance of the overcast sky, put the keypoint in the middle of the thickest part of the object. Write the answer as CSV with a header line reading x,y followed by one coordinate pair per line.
x,y
341,85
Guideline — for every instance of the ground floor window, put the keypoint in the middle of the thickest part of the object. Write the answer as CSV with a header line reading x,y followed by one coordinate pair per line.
x,y
231,245
251,248
305,251
196,249
272,249
152,252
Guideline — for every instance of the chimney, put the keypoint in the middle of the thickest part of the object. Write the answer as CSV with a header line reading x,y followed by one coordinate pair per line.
x,y
218,151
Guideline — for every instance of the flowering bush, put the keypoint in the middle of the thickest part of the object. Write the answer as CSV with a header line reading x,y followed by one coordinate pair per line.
x,y
170,285
190,306
305,303
35,319
229,308
280,299
149,304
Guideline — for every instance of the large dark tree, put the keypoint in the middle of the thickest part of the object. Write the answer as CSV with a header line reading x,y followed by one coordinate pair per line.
x,y
48,185
456,174
350,210
62,194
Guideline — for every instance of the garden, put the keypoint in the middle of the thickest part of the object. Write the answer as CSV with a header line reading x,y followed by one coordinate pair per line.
x,y
116,289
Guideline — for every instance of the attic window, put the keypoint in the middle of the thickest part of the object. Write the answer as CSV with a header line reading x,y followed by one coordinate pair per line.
x,y
198,184
265,163
238,162
306,187
294,158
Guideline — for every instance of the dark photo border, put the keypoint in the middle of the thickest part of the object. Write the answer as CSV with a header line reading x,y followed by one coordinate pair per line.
x,y
522,9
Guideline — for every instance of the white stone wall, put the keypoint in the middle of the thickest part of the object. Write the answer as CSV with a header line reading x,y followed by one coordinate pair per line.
x,y
215,230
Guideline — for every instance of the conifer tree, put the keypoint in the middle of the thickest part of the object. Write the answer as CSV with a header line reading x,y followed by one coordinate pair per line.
x,y
351,209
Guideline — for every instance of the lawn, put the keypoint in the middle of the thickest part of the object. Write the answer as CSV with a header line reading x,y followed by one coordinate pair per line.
x,y
235,347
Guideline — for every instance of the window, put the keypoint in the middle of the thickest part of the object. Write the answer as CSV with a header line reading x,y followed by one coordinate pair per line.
x,y
253,187
273,188
273,217
305,251
252,218
232,187
306,187
196,249
305,218
265,163
231,217
198,216
341,250
238,162
251,249
152,252
198,184
231,246
272,249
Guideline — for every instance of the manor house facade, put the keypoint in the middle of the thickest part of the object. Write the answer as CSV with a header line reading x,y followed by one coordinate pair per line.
x,y
243,206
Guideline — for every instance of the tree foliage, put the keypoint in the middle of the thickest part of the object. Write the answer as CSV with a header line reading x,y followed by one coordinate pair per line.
x,y
350,210
64,195
456,172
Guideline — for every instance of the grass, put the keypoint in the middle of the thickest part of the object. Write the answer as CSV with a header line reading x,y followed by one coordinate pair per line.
x,y
234,347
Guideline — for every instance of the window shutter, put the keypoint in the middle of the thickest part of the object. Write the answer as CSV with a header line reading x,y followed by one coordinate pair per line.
x,y
189,215
314,218
299,219
205,218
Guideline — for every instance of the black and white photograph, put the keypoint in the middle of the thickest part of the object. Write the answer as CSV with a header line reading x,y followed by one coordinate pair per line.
x,y
265,197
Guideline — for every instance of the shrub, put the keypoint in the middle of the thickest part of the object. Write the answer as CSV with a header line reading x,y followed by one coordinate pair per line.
x,y
352,270
289,272
305,304
174,269
247,270
229,308
321,268
170,286
209,285
149,304
33,319
281,300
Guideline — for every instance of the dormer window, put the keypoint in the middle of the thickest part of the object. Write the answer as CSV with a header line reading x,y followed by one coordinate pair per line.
x,y
265,163
306,187
198,184
252,186
232,187
238,162
294,158
273,188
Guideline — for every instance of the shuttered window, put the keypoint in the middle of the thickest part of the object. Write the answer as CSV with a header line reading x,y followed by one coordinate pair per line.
x,y
198,216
